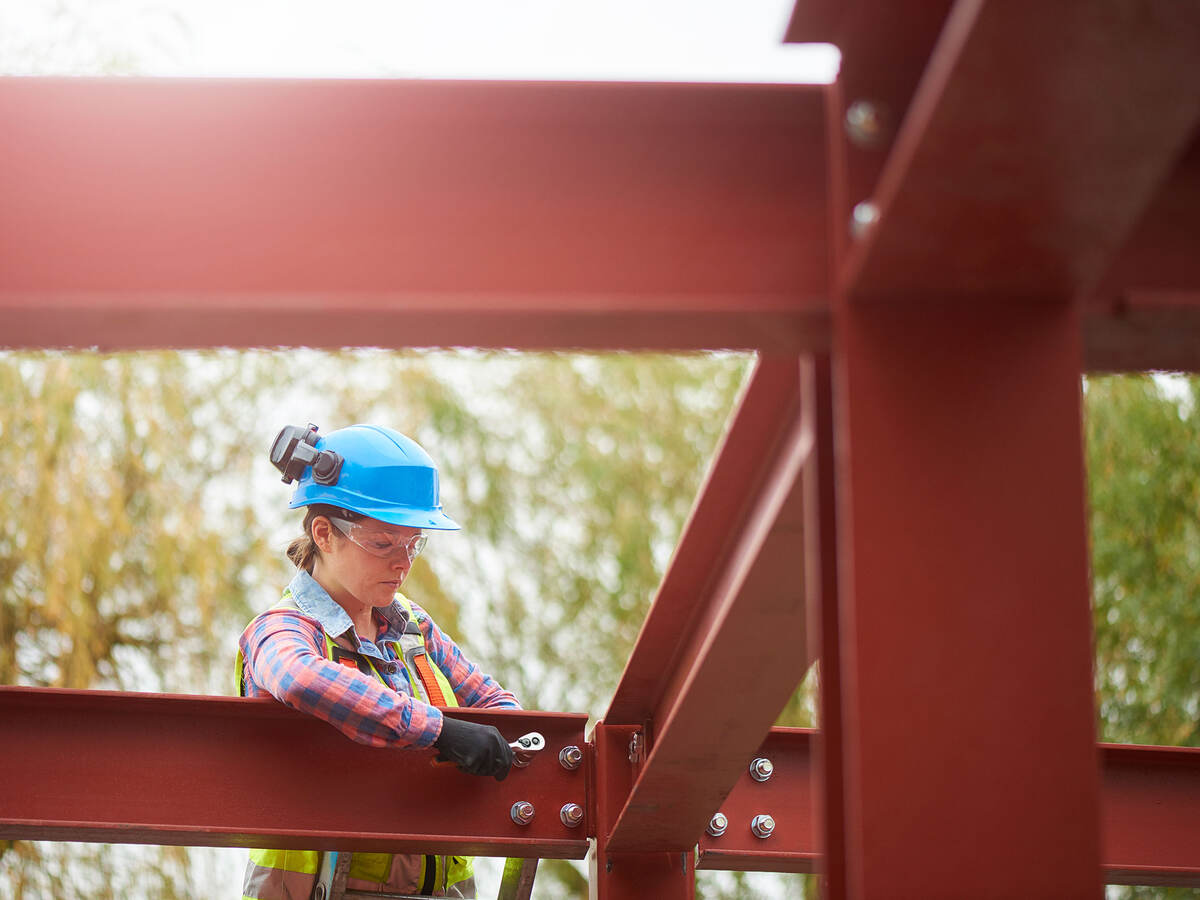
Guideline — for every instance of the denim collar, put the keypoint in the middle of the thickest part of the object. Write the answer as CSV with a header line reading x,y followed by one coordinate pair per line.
x,y
314,601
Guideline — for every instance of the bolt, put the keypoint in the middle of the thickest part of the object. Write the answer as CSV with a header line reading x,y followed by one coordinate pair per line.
x,y
717,824
570,757
864,216
571,814
865,124
761,768
762,826
522,812
635,747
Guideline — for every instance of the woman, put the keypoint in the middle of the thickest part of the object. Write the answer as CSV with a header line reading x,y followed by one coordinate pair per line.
x,y
345,645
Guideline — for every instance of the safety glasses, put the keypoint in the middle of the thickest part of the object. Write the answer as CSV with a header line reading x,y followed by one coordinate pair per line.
x,y
377,542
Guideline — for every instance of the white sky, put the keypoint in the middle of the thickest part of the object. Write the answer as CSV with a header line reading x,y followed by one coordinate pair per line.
x,y
665,40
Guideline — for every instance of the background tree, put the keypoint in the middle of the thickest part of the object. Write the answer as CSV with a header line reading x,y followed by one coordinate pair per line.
x,y
1143,450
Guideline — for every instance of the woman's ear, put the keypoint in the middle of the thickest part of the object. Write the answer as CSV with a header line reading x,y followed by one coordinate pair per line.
x,y
322,533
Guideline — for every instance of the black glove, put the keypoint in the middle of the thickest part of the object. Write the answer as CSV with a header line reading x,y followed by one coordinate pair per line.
x,y
476,749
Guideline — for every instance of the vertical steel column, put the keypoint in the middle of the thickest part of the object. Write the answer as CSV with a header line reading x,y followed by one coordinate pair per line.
x,y
820,534
627,876
969,747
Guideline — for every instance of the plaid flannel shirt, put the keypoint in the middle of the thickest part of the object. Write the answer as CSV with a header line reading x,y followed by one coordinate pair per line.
x,y
284,654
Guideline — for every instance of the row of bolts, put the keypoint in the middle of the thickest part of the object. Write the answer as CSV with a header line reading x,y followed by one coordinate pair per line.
x,y
571,814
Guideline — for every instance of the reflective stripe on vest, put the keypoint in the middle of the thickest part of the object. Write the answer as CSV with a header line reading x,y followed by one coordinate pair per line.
x,y
287,874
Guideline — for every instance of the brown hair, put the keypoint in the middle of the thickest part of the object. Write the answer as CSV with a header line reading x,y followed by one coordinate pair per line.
x,y
303,550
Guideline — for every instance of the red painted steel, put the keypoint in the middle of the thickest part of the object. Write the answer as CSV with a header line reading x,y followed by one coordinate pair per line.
x,y
618,876
212,771
1149,801
824,632
747,632
885,48
788,797
1151,830
966,626
1029,153
400,213
1146,312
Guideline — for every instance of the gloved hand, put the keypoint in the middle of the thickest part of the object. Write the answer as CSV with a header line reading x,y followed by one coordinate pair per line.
x,y
476,749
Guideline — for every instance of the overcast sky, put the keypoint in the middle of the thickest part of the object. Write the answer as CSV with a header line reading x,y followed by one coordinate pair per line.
x,y
675,40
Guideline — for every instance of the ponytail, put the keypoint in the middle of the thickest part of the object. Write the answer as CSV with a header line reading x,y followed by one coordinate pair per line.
x,y
303,551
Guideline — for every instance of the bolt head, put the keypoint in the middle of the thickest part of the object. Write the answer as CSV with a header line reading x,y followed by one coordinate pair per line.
x,y
570,757
717,825
522,812
864,217
571,814
761,769
762,826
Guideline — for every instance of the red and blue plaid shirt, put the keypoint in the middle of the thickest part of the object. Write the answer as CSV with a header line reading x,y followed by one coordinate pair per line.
x,y
284,653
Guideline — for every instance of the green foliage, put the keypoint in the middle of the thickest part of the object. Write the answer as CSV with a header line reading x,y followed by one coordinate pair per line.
x,y
1143,454
1144,489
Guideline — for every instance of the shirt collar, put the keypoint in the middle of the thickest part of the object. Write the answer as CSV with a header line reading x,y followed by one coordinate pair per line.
x,y
314,601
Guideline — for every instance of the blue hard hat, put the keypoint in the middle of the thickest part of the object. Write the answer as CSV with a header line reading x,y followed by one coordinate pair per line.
x,y
384,475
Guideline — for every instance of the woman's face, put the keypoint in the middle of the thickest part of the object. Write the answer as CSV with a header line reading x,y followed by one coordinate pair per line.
x,y
369,563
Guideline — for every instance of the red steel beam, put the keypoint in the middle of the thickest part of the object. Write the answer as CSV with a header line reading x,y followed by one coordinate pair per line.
x,y
728,671
1036,138
182,213
966,625
824,631
223,772
1151,830
621,876
1149,800
1146,312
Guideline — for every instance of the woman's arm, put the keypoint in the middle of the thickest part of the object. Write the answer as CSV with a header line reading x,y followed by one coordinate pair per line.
x,y
283,657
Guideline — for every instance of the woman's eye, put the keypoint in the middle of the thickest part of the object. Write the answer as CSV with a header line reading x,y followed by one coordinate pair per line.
x,y
381,545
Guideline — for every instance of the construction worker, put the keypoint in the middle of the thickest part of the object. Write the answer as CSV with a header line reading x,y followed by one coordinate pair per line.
x,y
345,645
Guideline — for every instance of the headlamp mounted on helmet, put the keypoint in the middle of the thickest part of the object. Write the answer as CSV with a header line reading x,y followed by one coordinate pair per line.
x,y
295,449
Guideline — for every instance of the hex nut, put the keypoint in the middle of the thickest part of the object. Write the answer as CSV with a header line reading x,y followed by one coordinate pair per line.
x,y
761,768
762,826
522,812
717,824
570,757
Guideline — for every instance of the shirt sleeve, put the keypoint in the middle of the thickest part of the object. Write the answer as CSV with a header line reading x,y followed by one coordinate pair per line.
x,y
283,657
471,685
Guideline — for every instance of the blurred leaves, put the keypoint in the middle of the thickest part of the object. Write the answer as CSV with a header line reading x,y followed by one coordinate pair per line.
x,y
1143,449
1143,455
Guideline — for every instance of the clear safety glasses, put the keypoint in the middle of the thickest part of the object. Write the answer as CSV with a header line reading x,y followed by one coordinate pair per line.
x,y
377,542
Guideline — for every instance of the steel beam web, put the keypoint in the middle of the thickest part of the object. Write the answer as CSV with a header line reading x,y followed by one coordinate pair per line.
x,y
194,213
222,772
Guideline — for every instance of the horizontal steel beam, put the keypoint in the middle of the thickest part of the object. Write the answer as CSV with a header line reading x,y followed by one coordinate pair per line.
x,y
738,648
182,213
223,772
1149,801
